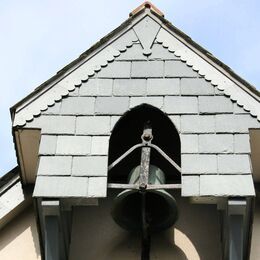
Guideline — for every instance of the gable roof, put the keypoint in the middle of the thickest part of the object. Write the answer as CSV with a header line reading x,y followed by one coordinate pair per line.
x,y
116,42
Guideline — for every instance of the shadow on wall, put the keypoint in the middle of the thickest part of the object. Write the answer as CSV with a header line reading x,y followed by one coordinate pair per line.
x,y
19,239
197,231
162,248
172,243
196,234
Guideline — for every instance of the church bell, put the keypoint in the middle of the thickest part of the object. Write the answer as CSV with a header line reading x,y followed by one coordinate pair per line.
x,y
159,206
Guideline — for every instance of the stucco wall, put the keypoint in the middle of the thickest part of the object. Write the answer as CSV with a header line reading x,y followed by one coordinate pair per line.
x,y
195,236
19,239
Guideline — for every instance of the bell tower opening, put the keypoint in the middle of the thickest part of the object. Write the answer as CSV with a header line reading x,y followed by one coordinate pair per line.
x,y
127,133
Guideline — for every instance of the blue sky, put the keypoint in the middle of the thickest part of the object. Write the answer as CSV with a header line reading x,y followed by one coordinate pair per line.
x,y
38,38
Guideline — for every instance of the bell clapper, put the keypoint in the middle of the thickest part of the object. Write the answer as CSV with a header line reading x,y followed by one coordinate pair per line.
x,y
146,237
144,206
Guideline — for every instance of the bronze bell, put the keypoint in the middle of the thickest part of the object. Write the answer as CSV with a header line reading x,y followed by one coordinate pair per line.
x,y
160,207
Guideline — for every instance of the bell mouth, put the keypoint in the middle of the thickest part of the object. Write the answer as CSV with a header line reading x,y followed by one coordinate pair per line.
x,y
160,209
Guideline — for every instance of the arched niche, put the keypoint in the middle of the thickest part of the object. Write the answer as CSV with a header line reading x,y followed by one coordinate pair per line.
x,y
127,132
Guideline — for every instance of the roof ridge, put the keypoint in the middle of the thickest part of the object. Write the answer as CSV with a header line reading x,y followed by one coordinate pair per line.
x,y
146,5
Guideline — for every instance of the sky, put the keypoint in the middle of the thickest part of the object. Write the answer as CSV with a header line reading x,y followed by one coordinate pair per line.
x,y
38,38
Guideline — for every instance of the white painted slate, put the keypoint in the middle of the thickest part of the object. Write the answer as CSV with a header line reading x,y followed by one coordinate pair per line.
x,y
210,73
234,164
146,31
51,124
195,86
133,53
90,166
199,164
60,186
198,124
215,105
190,186
81,72
226,185
48,145
159,87
96,87
97,187
153,101
55,165
216,143
93,125
78,106
73,145
235,123
178,69
111,105
126,87
144,69
241,143
70,187
181,105
159,53
189,143
99,145
120,69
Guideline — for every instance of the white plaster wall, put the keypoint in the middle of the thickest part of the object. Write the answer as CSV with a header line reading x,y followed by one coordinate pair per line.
x,y
19,239
195,236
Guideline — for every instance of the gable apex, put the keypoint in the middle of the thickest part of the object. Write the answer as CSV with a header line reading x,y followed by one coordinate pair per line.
x,y
147,5
147,27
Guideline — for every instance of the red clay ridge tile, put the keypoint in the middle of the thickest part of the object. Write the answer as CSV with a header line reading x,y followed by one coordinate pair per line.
x,y
148,5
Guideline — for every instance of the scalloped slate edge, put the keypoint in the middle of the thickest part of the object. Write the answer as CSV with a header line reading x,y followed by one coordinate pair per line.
x,y
75,78
203,68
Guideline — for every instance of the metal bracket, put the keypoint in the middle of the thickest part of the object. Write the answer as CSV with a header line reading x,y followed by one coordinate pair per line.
x,y
146,146
145,158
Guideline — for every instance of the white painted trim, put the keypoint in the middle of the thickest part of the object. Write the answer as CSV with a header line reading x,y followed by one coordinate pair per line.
x,y
209,72
76,75
12,202
107,53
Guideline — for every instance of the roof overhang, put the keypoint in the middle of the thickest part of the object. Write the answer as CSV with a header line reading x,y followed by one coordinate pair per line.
x,y
255,153
27,143
13,197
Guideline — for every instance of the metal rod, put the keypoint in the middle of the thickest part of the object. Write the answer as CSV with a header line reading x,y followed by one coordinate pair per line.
x,y
149,186
119,159
159,150
173,163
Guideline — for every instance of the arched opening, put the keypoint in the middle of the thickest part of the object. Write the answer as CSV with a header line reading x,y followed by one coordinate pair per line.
x,y
127,133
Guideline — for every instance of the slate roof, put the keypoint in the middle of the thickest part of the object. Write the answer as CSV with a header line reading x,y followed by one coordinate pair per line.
x,y
242,83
